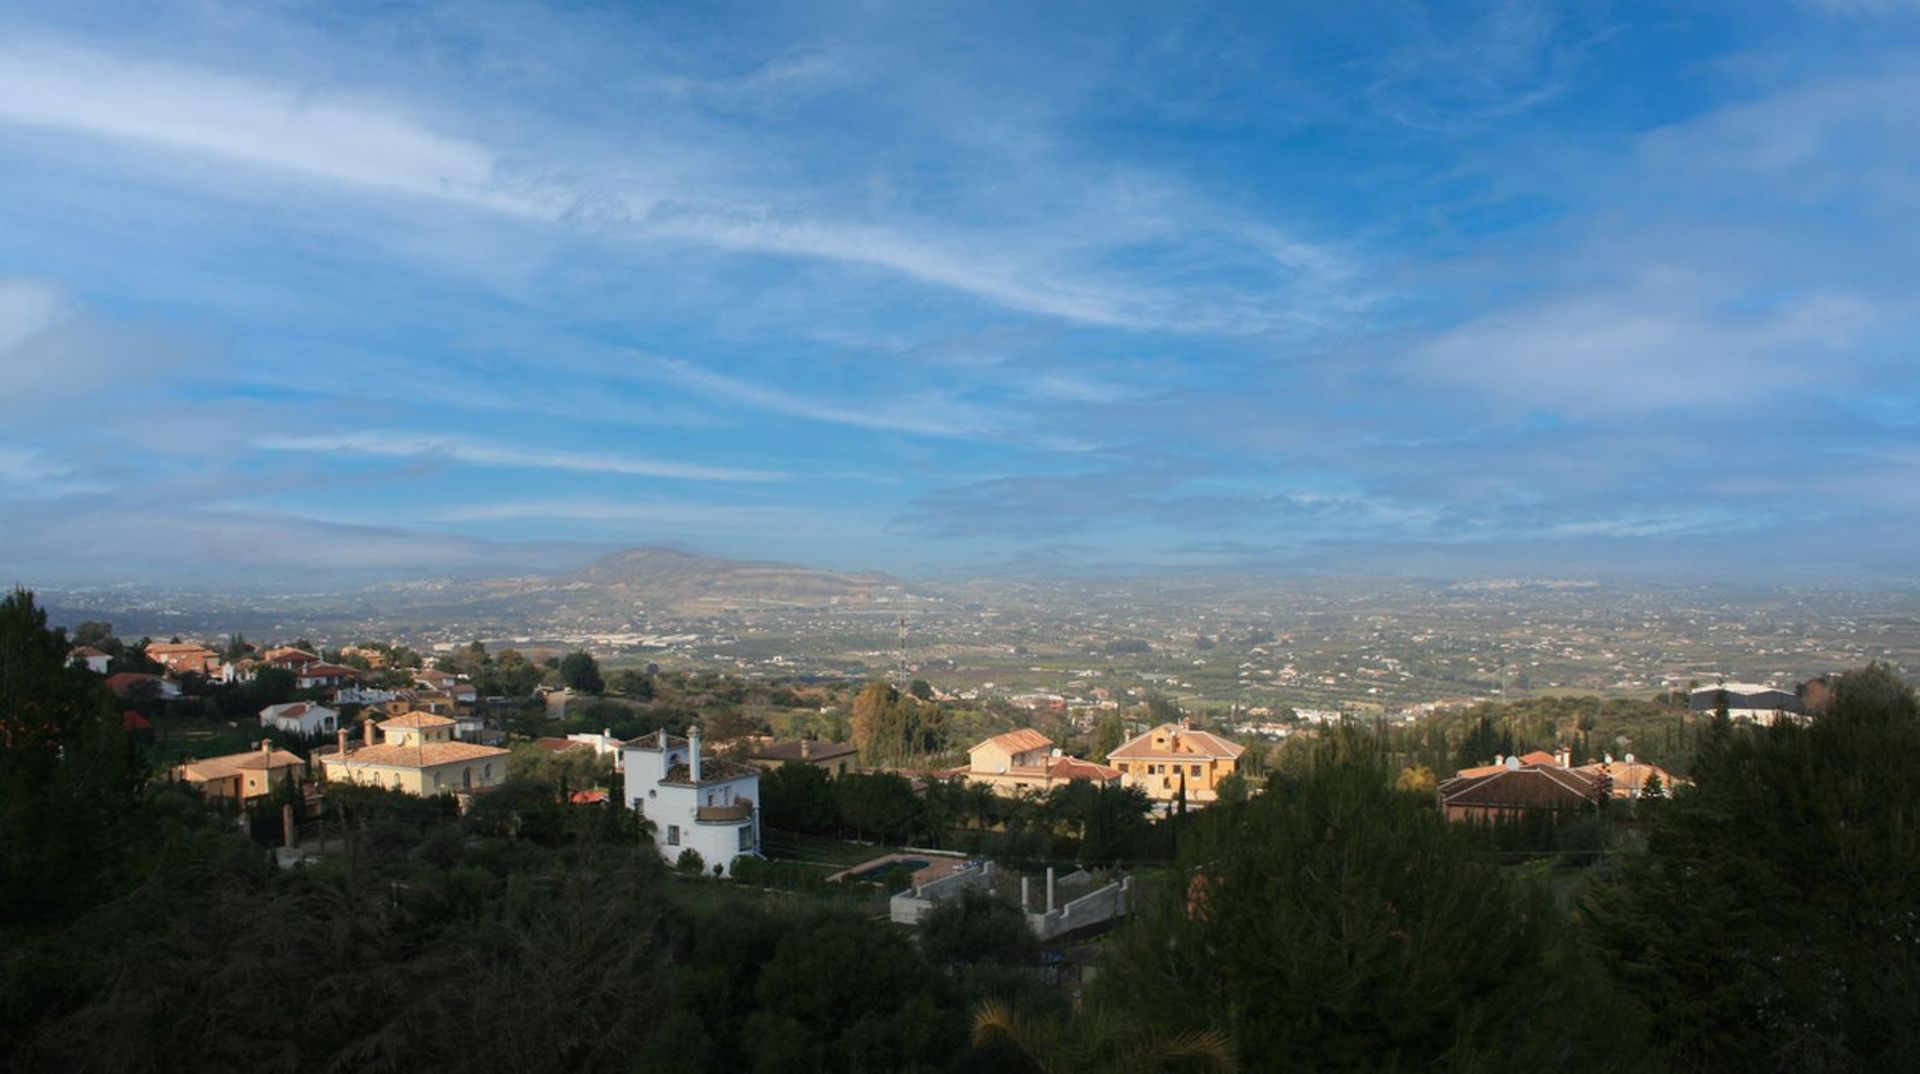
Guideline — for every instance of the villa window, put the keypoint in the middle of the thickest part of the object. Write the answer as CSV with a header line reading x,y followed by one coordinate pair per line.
x,y
673,835
1196,770
746,838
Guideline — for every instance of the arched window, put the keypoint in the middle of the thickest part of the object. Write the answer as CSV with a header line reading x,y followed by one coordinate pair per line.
x,y
466,777
489,771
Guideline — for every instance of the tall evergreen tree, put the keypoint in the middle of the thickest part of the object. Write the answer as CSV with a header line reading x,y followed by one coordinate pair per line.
x,y
1331,924
68,774
1770,924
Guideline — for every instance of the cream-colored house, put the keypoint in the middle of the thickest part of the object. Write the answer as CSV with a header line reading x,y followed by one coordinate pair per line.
x,y
1630,778
836,759
1173,758
1025,762
418,756
243,776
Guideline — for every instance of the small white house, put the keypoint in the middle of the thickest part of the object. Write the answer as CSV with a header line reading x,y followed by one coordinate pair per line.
x,y
604,744
711,806
300,718
95,660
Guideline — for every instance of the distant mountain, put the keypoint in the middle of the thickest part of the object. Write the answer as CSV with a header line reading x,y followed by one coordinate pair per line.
x,y
666,579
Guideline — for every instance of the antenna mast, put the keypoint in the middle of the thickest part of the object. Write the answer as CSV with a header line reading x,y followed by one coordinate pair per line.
x,y
900,674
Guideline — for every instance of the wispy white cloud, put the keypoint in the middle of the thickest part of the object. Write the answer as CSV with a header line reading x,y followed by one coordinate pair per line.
x,y
1638,351
326,137
460,449
667,515
925,416
32,474
1049,266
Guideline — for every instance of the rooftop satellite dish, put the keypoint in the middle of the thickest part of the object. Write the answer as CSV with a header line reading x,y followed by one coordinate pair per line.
x,y
1513,764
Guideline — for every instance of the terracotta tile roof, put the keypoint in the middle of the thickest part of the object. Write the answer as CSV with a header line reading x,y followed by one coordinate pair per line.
x,y
287,654
416,719
1530,786
121,681
133,721
1628,776
712,770
558,745
652,742
157,649
293,710
1539,757
1183,742
1071,768
424,755
226,767
1020,741
816,751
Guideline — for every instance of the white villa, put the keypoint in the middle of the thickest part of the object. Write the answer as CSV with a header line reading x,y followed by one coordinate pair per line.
x,y
300,718
709,805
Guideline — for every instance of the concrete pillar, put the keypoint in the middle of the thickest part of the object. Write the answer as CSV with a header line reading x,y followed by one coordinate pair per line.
x,y
286,824
1025,901
1049,889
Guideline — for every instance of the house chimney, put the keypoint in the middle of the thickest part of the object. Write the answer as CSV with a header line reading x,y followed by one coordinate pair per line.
x,y
368,726
266,748
693,751
806,748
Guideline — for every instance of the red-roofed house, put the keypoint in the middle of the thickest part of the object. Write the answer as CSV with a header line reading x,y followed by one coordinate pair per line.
x,y
321,676
1515,789
300,718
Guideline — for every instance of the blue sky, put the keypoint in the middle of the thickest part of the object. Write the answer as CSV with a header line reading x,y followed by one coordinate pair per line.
x,y
340,290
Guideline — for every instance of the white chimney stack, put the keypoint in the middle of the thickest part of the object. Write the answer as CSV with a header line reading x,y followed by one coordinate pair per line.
x,y
693,752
